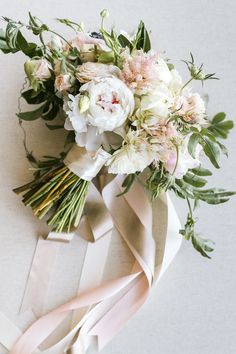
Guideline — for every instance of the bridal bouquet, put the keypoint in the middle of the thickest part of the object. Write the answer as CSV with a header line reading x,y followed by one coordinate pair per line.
x,y
125,109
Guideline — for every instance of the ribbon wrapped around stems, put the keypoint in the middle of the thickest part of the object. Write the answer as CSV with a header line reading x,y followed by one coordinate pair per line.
x,y
150,230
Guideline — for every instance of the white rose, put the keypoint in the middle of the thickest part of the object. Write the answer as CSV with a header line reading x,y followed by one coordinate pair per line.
x,y
104,104
90,71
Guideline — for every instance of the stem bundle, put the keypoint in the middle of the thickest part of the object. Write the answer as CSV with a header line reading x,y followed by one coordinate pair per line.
x,y
59,193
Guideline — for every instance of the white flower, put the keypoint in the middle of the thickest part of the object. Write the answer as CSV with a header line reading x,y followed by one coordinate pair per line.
x,y
175,83
158,101
185,160
134,156
90,71
108,104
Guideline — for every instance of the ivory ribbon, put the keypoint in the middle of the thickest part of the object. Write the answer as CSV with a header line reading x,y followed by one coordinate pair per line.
x,y
83,164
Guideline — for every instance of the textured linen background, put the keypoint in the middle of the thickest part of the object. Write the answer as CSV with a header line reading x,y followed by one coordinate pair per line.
x,y
193,309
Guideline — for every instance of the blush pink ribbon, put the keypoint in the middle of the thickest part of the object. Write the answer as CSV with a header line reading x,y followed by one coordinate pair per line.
x,y
115,301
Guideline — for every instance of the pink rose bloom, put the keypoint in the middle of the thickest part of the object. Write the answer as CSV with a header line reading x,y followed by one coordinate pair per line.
x,y
86,46
63,82
90,71
142,71
41,69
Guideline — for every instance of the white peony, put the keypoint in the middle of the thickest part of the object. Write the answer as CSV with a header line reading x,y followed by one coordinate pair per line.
x,y
102,105
90,71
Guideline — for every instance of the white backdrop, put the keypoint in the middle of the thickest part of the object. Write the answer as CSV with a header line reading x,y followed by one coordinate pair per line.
x,y
193,310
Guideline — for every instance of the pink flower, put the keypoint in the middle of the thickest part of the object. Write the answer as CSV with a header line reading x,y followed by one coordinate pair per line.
x,y
163,130
63,82
86,46
185,160
41,69
90,71
142,71
191,108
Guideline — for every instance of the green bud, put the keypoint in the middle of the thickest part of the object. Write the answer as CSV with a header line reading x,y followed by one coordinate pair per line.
x,y
197,74
29,67
106,57
104,13
84,103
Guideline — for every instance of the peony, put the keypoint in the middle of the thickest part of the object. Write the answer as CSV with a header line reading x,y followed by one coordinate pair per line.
x,y
102,105
63,82
142,71
185,160
134,156
90,71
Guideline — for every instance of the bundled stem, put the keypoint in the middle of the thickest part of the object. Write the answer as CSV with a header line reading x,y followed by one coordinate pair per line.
x,y
58,192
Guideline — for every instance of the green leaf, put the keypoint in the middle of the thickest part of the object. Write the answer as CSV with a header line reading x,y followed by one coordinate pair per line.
x,y
194,180
142,40
34,97
212,151
220,127
223,148
70,138
127,183
54,127
106,57
192,144
214,195
218,117
200,171
32,115
125,42
202,245
52,113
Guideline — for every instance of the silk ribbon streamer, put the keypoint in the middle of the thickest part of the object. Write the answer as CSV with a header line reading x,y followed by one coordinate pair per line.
x,y
83,164
141,244
39,277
